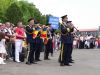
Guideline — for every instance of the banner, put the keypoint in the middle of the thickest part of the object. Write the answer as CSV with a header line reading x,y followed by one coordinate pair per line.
x,y
54,21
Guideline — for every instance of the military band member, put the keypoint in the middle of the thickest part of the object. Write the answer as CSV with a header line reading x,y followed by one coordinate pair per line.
x,y
66,42
48,47
51,35
69,23
48,44
45,40
39,42
31,41
44,32
44,36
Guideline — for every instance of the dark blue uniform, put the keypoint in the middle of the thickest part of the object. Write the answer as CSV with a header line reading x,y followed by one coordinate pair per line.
x,y
48,48
32,43
66,44
39,42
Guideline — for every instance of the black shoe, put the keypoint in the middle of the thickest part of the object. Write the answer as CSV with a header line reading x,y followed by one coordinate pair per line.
x,y
67,65
28,63
34,63
47,59
61,64
37,60
71,62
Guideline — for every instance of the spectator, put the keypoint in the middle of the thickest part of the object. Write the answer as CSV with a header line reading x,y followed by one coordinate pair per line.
x,y
20,36
2,48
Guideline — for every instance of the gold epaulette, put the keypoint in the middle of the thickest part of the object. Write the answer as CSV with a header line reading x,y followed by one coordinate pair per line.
x,y
68,29
30,33
61,23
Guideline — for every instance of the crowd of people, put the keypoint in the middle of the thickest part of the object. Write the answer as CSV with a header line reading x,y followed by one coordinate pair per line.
x,y
19,42
86,42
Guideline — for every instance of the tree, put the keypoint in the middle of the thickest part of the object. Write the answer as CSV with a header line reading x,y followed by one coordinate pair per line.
x,y
29,10
35,12
14,13
14,10
43,19
23,5
4,4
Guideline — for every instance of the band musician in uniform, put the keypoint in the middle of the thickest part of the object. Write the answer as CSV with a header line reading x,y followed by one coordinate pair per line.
x,y
31,41
66,42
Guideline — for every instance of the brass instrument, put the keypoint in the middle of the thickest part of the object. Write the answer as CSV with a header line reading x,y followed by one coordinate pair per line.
x,y
74,27
70,25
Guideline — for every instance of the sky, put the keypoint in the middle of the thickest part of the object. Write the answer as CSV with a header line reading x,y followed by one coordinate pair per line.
x,y
85,14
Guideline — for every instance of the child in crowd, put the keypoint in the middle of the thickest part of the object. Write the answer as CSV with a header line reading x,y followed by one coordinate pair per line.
x,y
3,52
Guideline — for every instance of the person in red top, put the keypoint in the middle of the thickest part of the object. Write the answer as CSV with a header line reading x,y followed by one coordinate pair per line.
x,y
20,36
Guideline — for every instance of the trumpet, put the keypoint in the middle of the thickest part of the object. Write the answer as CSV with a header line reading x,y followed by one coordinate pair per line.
x,y
70,25
75,28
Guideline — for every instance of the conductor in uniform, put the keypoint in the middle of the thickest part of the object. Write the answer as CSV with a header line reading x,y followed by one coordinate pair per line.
x,y
66,42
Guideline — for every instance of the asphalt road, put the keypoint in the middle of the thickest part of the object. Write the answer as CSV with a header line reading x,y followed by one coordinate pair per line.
x,y
87,62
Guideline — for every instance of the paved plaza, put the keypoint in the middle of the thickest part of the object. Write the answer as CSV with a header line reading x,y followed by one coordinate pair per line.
x,y
87,62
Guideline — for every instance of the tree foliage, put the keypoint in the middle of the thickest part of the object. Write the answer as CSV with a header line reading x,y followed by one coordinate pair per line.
x,y
14,13
4,4
15,10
